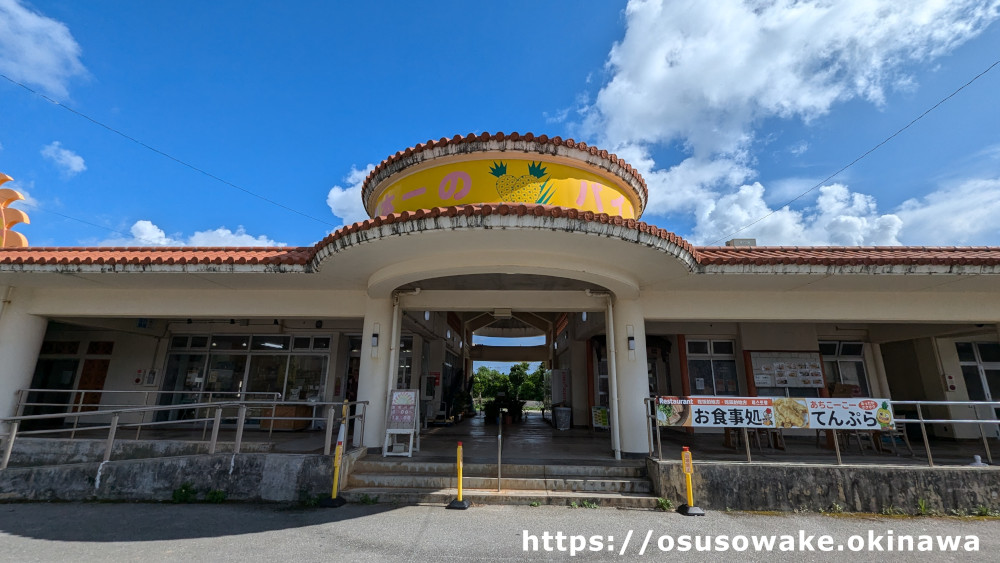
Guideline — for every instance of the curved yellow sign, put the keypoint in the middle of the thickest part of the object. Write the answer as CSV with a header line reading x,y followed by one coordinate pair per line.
x,y
506,180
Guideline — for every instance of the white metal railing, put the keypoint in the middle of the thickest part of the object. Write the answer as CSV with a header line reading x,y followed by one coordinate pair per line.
x,y
654,437
355,411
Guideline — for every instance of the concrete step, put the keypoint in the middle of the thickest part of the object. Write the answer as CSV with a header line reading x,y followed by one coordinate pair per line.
x,y
564,483
624,471
507,496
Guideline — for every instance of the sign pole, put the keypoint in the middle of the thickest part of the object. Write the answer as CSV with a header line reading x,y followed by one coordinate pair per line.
x,y
458,503
688,509
334,501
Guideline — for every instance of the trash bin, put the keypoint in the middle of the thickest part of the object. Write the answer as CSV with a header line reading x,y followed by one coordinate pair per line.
x,y
562,416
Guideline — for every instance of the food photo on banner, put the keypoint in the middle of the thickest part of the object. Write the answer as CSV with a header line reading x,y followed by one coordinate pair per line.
x,y
775,412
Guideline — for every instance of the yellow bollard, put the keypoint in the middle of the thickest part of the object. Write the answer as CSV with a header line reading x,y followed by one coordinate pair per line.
x,y
334,501
687,464
458,503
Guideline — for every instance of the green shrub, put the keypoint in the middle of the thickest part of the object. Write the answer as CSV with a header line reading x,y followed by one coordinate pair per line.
x,y
185,493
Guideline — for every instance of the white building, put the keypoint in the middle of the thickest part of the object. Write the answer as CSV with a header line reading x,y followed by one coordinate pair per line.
x,y
629,309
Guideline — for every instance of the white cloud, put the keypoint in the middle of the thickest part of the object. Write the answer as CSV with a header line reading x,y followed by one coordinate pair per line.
x,y
346,203
145,233
839,217
23,188
964,213
68,161
37,50
701,75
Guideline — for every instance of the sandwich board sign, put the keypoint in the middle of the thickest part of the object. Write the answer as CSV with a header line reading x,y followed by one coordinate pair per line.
x,y
402,419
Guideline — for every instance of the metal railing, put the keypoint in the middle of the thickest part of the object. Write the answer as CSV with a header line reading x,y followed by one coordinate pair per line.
x,y
356,411
654,438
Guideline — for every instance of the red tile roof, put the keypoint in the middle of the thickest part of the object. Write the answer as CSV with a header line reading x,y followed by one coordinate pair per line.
x,y
159,255
499,136
849,255
704,256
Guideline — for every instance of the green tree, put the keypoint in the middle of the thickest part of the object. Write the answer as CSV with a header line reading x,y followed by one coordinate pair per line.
x,y
518,375
488,382
533,386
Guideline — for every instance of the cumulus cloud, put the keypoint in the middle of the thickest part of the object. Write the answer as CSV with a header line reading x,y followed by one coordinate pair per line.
x,y
68,161
964,213
37,50
345,202
146,233
839,217
702,75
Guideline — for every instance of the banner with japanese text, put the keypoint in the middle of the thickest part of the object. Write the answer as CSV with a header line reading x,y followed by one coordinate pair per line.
x,y
775,412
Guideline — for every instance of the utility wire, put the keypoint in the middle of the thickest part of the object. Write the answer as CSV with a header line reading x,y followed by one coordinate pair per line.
x,y
161,153
853,162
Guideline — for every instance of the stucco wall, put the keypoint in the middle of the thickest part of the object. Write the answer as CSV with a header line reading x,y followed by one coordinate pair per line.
x,y
786,487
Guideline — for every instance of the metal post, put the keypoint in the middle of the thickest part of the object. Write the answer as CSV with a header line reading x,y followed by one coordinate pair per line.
x,y
274,411
364,415
986,444
111,437
836,447
746,443
649,429
329,429
499,447
215,430
12,433
76,418
142,417
659,441
240,419
923,431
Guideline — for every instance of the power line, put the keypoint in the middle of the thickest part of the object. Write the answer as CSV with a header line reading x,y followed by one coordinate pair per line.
x,y
853,162
164,154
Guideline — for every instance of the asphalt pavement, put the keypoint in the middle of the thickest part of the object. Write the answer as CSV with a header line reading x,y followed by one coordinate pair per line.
x,y
380,532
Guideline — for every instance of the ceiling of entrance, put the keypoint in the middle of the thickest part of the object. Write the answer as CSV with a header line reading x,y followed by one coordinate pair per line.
x,y
501,282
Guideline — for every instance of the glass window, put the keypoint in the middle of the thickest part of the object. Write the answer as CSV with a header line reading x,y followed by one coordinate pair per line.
x,y
321,343
179,342
989,351
199,342
300,343
828,348
722,347
224,342
712,373
965,352
845,372
697,346
269,343
305,378
851,348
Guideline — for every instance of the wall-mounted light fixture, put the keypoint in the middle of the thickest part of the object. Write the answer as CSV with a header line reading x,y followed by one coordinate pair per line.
x,y
447,334
427,315
631,343
375,340
319,324
583,316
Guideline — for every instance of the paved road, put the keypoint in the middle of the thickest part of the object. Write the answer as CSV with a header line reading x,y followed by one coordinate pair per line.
x,y
236,532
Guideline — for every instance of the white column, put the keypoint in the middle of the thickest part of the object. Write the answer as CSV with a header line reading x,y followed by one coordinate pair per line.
x,y
373,380
21,336
633,379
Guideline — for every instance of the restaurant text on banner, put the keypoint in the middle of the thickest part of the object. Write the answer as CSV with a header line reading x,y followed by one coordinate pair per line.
x,y
775,412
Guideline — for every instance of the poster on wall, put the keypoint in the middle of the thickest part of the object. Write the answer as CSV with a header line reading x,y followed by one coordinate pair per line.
x,y
787,369
856,413
560,387
600,418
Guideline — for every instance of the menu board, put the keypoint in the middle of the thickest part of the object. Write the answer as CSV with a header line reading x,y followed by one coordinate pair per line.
x,y
787,369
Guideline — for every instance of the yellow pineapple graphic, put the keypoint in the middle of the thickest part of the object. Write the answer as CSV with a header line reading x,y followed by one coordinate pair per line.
x,y
527,188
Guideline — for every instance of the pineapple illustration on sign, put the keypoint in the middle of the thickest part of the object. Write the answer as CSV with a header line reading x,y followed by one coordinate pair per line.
x,y
10,217
527,188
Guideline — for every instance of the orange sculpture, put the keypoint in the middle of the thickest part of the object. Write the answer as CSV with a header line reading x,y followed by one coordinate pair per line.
x,y
10,217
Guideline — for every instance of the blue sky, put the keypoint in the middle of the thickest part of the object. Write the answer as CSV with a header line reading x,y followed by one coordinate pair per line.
x,y
728,109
